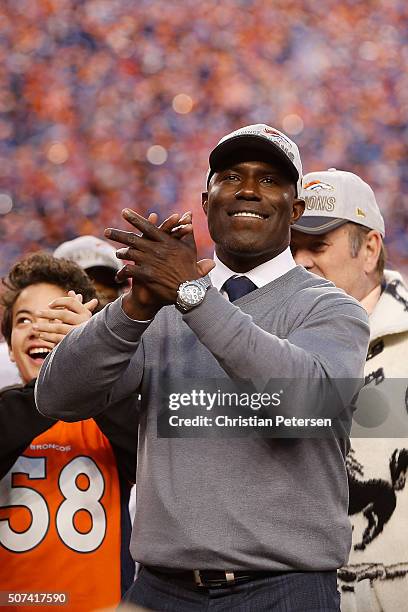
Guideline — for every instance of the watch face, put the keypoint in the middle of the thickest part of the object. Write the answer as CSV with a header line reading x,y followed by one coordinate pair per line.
x,y
193,294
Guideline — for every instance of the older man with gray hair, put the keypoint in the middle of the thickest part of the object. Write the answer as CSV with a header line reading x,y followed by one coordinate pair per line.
x,y
340,237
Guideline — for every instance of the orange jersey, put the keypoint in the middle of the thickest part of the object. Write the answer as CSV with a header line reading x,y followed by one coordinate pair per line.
x,y
60,519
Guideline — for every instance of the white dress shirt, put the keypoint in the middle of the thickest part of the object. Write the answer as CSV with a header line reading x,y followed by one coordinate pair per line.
x,y
260,276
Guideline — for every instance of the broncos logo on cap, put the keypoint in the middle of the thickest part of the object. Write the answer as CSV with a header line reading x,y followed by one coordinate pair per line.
x,y
277,135
317,186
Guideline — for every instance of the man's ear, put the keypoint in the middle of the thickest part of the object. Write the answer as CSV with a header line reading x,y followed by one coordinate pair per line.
x,y
372,249
297,210
204,201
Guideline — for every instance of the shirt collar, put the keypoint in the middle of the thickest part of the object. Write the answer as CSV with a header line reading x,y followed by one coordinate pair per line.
x,y
261,275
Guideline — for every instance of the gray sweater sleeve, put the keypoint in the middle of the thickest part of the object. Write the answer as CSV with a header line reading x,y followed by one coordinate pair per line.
x,y
87,371
332,341
91,367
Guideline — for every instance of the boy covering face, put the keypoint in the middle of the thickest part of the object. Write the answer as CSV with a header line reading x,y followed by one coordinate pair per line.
x,y
64,524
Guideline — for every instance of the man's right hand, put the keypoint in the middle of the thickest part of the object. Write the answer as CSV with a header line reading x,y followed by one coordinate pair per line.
x,y
140,303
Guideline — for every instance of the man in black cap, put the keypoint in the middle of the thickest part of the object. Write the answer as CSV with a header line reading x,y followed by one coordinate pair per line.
x,y
244,523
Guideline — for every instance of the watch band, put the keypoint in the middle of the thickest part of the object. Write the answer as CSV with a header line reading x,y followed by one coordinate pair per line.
x,y
204,283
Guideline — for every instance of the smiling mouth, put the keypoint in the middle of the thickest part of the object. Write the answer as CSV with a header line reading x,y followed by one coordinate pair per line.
x,y
248,214
38,354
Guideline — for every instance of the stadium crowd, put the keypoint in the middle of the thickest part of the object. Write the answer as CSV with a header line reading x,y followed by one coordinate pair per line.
x,y
111,103
106,104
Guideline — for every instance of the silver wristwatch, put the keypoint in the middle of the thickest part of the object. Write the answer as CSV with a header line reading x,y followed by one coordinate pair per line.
x,y
191,293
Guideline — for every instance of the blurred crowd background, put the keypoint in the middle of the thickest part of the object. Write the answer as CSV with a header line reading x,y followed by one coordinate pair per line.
x,y
113,103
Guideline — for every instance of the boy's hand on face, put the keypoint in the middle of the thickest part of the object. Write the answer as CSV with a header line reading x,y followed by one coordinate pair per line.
x,y
62,316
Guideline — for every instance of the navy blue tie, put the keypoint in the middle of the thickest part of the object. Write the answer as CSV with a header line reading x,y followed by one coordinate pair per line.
x,y
238,287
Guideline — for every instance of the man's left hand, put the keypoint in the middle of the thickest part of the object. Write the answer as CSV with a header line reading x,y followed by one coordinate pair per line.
x,y
161,261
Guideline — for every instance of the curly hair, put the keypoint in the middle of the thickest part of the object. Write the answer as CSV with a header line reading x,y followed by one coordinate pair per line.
x,y
41,268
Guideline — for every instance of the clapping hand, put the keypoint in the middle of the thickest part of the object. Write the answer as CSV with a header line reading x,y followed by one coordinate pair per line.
x,y
163,257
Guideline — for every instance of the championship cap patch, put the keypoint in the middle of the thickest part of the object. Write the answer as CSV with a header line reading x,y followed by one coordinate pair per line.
x,y
317,186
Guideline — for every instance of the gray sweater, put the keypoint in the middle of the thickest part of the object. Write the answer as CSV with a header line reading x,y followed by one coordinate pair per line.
x,y
248,503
